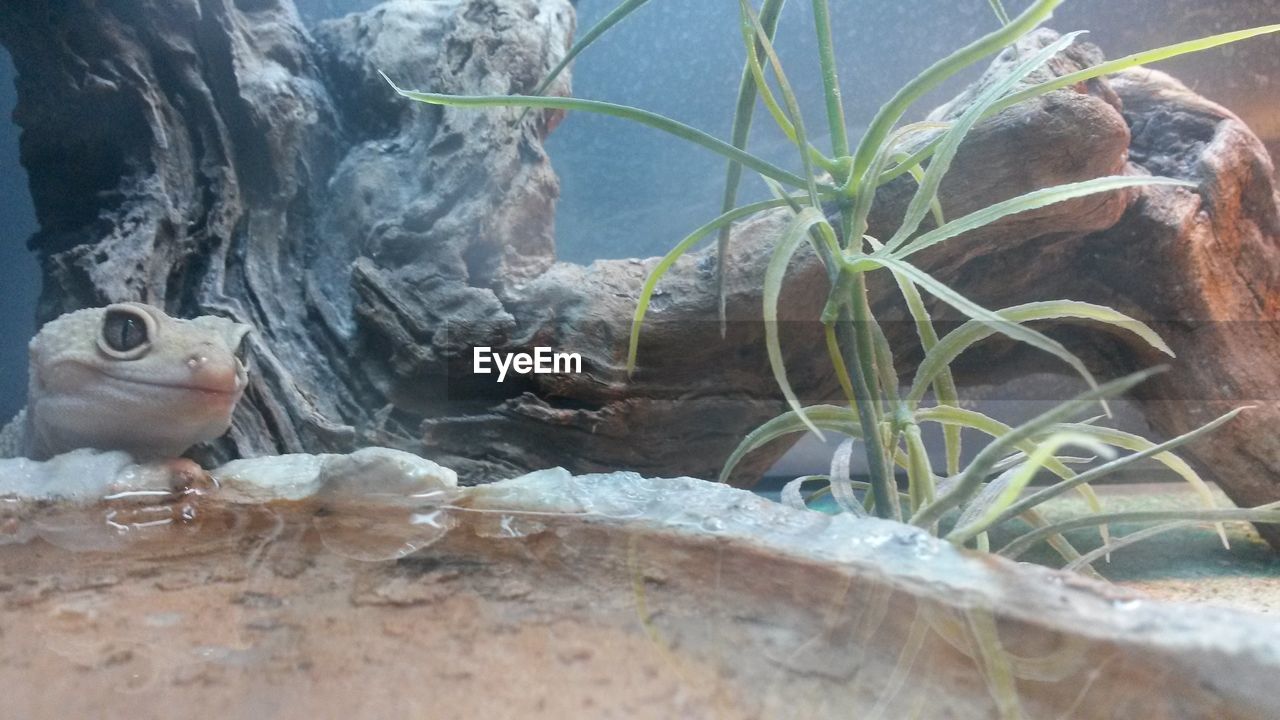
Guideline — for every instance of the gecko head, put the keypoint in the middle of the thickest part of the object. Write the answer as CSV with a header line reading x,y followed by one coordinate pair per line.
x,y
129,377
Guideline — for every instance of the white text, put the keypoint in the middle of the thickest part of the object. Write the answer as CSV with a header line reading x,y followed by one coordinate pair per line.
x,y
542,361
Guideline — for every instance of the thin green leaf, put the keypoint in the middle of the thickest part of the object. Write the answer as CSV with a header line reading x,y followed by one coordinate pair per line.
x,y
914,160
855,327
887,374
938,359
1092,474
889,114
788,96
1011,329
841,483
920,485
644,117
995,663
944,386
999,494
973,474
826,489
795,234
1137,443
791,495
823,241
961,417
998,8
1269,513
863,201
946,152
903,669
917,174
831,417
757,74
1060,545
1106,68
1018,457
615,16
1086,74
1029,201
742,117
1141,58
688,243
1124,541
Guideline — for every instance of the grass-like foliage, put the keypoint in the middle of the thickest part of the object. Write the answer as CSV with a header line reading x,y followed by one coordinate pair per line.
x,y
829,201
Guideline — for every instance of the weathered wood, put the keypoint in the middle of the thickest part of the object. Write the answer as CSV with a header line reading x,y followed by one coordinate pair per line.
x,y
214,156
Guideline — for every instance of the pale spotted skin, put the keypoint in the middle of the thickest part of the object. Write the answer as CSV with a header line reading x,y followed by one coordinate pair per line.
x,y
128,377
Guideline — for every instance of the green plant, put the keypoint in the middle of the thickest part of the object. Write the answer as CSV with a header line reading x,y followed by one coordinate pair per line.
x,y
830,201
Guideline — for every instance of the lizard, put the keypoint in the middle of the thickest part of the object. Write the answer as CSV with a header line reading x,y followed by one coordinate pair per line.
x,y
117,393
128,377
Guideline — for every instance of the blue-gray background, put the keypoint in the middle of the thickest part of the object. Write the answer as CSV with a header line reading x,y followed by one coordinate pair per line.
x,y
629,191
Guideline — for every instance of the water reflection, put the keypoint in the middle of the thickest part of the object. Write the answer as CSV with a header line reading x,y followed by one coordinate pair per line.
x,y
385,604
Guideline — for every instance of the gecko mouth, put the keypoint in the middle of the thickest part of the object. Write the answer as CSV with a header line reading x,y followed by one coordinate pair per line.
x,y
201,389
207,391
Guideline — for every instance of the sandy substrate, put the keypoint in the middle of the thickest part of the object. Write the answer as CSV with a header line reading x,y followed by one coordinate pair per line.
x,y
1186,565
311,635
1243,593
266,613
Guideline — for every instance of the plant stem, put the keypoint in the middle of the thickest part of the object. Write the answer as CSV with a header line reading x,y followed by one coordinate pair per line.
x,y
842,372
742,116
855,337
830,82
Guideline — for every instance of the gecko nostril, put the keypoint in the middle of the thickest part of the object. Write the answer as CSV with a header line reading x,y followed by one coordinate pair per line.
x,y
211,369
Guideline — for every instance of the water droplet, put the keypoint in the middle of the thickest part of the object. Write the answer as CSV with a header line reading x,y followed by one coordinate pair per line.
x,y
81,530
374,533
713,524
508,526
434,519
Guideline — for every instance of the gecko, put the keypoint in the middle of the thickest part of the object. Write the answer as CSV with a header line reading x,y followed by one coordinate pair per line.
x,y
128,377
117,393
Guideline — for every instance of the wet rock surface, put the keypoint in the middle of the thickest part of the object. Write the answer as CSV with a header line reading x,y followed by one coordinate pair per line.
x,y
219,157
605,595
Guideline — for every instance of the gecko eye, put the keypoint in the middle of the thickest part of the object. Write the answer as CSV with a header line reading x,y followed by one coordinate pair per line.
x,y
126,333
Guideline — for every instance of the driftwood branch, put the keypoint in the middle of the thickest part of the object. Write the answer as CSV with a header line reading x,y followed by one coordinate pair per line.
x,y
213,156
